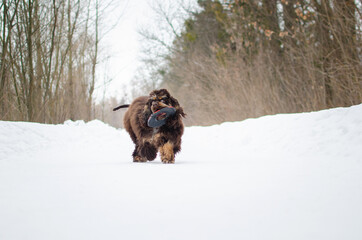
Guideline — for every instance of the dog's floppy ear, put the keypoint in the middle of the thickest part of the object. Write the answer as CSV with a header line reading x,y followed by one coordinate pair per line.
x,y
175,104
146,113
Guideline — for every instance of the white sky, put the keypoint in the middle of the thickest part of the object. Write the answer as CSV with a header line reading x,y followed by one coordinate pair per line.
x,y
122,46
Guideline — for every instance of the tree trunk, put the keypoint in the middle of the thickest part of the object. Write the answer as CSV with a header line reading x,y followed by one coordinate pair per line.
x,y
70,88
94,63
270,22
30,101
326,48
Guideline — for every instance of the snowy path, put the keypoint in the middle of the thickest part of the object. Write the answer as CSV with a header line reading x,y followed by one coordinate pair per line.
x,y
289,176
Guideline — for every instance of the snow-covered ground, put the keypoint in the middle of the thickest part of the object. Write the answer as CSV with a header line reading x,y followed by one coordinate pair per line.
x,y
289,176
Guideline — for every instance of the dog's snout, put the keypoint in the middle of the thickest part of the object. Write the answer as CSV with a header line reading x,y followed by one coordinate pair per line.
x,y
154,104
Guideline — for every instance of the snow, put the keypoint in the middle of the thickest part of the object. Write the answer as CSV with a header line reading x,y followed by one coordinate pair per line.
x,y
288,176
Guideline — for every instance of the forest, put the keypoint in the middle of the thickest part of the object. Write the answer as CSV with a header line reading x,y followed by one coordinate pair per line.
x,y
227,60
247,58
48,57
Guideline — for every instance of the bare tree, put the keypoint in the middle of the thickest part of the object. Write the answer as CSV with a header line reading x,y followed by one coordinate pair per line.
x,y
49,52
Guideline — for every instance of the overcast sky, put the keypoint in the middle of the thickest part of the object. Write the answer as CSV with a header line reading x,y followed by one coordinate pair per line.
x,y
121,44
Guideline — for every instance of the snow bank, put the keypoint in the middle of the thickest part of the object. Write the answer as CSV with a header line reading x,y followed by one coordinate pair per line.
x,y
289,176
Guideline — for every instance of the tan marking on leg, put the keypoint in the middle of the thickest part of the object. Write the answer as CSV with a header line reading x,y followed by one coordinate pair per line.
x,y
167,155
139,159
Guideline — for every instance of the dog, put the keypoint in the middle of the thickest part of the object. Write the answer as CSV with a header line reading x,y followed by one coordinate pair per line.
x,y
148,141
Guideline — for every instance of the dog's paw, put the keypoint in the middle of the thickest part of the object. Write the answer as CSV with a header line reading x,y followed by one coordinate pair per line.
x,y
148,151
168,161
139,159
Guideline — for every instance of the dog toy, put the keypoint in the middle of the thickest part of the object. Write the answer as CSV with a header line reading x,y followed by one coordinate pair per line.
x,y
158,118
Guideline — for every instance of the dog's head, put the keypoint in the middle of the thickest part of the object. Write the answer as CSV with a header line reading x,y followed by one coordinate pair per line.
x,y
161,98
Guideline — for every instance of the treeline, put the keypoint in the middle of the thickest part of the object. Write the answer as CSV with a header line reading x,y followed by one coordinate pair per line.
x,y
246,58
48,57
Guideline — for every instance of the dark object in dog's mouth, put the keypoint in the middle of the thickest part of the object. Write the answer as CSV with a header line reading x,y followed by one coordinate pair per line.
x,y
158,118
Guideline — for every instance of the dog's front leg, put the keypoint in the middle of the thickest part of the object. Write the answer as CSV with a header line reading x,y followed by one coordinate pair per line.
x,y
167,154
137,156
148,151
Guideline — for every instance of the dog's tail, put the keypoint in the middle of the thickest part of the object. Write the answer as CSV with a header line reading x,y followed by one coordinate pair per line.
x,y
121,106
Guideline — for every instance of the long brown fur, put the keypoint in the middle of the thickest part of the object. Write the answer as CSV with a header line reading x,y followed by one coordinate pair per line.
x,y
165,139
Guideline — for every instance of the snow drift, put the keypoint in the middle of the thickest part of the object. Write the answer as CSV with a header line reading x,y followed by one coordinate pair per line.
x,y
289,176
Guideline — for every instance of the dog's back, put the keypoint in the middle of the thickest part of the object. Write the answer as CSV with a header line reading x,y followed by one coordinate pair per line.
x,y
132,122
